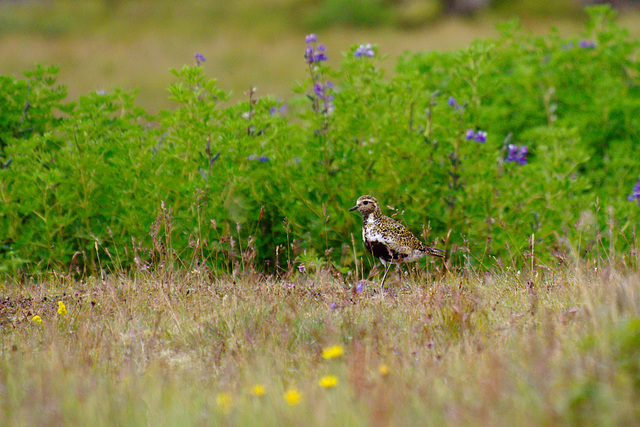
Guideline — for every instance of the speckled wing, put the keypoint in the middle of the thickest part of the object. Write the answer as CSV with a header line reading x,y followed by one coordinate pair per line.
x,y
407,245
389,240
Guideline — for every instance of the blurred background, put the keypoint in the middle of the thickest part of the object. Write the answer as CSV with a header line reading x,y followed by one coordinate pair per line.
x,y
101,44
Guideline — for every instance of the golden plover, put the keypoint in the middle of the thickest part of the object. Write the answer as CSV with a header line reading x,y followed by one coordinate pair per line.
x,y
387,239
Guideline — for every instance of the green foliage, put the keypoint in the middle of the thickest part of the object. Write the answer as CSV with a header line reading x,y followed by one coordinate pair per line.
x,y
99,182
575,108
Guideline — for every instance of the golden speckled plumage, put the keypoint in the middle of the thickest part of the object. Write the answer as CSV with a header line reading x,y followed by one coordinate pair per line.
x,y
387,239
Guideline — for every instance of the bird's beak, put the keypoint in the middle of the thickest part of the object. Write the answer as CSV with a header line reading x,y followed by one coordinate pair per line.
x,y
353,208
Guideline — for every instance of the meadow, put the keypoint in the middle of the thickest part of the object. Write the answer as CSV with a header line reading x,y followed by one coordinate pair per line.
x,y
530,347
198,264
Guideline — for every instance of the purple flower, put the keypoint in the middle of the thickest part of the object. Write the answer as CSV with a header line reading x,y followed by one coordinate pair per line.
x,y
635,195
318,89
364,50
261,159
319,57
275,110
302,268
313,53
452,102
481,137
587,44
517,154
333,306
326,99
199,58
359,288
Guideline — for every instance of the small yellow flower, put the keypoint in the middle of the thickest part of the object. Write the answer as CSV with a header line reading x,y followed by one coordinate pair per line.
x,y
332,352
257,390
383,369
62,310
225,402
37,319
292,396
328,381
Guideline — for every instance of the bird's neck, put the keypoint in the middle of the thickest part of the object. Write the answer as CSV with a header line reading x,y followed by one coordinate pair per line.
x,y
371,216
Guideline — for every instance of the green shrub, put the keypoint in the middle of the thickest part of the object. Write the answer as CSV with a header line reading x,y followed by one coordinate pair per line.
x,y
100,183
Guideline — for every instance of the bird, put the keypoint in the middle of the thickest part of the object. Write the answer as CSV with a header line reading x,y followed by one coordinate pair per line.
x,y
387,239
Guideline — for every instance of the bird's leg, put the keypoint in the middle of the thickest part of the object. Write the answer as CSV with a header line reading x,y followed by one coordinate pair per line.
x,y
386,270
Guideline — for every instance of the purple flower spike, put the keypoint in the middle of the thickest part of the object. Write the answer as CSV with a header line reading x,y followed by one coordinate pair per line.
x,y
359,287
308,52
318,89
587,44
452,101
275,110
481,137
263,159
199,58
324,96
364,50
333,306
313,53
517,154
319,57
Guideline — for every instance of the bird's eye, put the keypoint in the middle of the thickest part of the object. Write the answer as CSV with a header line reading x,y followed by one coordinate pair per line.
x,y
365,203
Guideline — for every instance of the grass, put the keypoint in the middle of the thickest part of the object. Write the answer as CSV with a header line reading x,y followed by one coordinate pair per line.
x,y
559,346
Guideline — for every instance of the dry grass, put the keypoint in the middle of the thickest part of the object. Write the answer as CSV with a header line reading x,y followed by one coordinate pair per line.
x,y
167,349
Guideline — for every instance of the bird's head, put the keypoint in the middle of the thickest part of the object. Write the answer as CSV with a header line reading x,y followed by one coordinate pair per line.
x,y
366,205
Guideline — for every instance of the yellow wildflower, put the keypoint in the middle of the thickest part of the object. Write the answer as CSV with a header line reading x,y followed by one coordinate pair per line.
x,y
292,396
332,352
383,369
257,390
225,402
328,381
62,310
37,319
